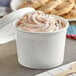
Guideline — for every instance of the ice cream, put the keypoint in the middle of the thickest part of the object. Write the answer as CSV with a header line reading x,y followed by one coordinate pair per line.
x,y
39,22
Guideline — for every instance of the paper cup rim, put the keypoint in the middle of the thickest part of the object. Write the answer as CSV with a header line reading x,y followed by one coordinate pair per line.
x,y
57,31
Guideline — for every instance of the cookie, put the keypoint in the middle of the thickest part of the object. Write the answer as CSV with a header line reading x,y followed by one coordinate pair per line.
x,y
63,8
50,5
68,72
71,14
32,3
39,1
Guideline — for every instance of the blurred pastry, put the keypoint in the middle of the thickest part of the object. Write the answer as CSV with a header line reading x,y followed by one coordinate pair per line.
x,y
51,4
32,3
63,8
71,14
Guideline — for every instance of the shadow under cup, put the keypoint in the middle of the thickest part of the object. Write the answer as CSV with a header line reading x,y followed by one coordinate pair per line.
x,y
41,50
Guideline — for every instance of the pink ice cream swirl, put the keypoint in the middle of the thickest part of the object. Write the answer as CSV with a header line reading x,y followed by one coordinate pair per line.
x,y
39,22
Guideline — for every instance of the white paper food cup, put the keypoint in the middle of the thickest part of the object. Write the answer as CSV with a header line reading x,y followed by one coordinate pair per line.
x,y
41,50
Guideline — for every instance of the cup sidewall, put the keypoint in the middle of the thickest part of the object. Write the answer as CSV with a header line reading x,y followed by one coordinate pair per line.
x,y
41,50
